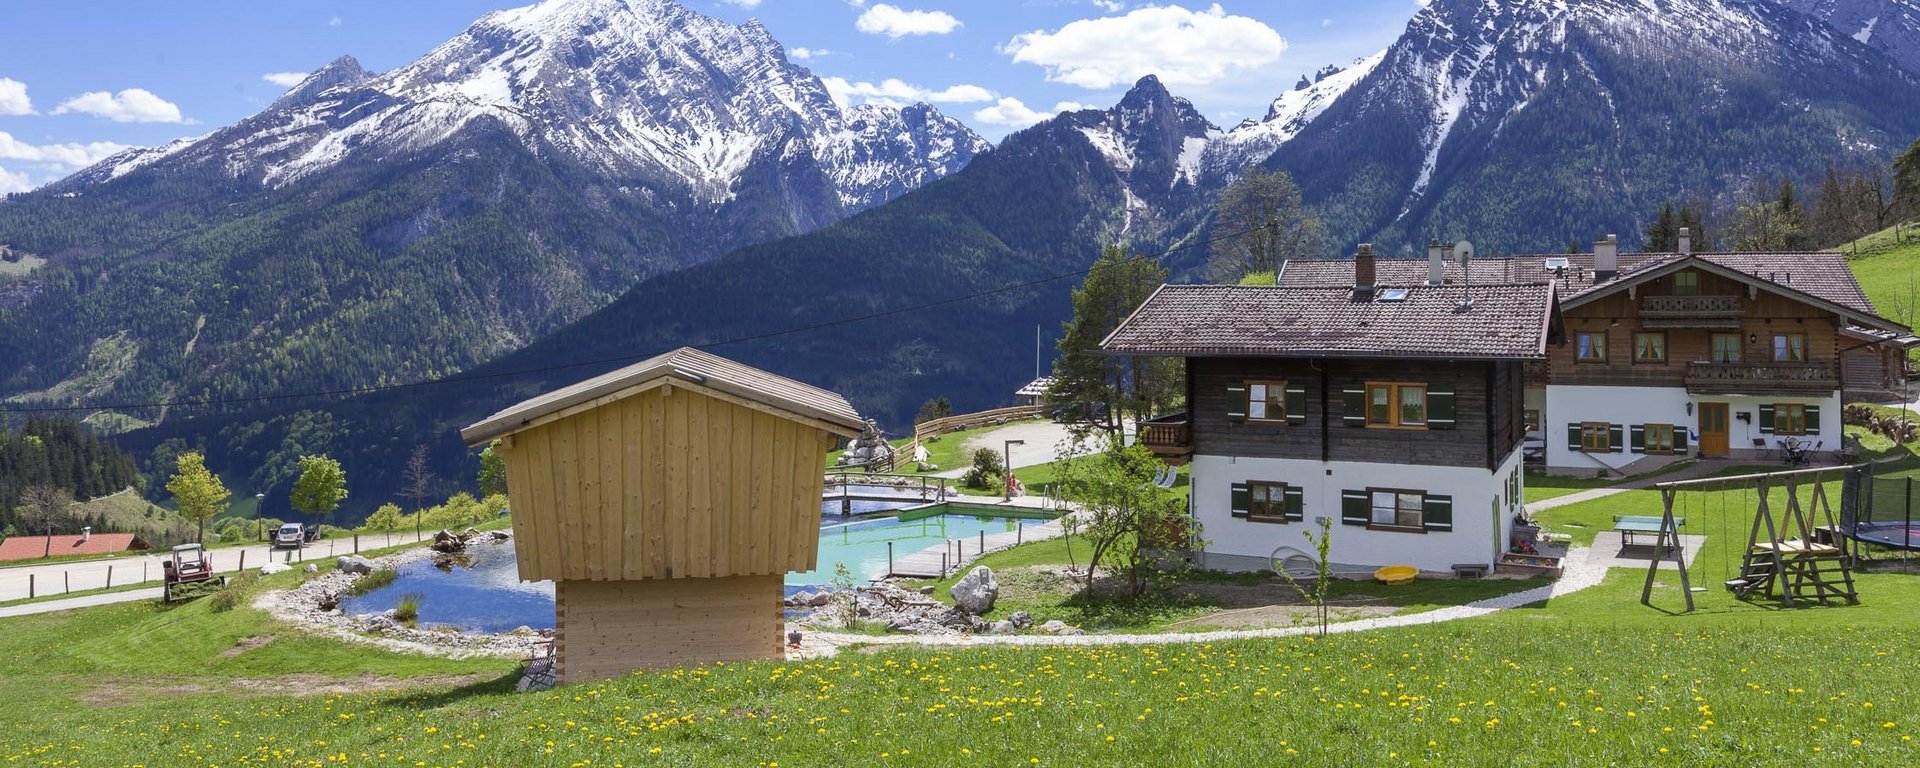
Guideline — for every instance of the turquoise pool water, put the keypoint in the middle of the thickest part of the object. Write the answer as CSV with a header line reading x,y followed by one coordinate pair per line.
x,y
862,545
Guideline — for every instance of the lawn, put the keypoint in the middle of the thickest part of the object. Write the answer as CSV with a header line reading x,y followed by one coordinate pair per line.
x,y
948,451
1888,268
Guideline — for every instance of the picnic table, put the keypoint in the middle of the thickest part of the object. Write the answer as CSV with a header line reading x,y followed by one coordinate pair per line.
x,y
1628,525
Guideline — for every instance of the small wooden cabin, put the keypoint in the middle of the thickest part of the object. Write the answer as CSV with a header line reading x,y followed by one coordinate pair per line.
x,y
667,501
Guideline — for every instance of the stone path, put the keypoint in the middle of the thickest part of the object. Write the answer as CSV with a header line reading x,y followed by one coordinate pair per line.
x,y
84,601
1041,444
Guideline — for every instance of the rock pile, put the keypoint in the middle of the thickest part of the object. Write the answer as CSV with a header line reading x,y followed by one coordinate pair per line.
x,y
976,591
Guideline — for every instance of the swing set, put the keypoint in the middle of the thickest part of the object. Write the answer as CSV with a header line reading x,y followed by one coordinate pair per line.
x,y
1795,554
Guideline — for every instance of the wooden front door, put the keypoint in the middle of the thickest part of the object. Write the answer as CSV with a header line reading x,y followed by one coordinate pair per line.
x,y
1713,429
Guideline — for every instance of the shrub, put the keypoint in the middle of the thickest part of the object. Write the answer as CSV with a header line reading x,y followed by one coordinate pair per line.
x,y
408,611
386,518
237,590
372,581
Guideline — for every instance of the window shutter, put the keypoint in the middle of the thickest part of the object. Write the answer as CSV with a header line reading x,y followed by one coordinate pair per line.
x,y
1573,437
1355,412
1237,402
1679,439
1766,419
1355,508
1614,443
1296,504
1440,407
1296,404
1813,419
1241,500
1637,438
1438,513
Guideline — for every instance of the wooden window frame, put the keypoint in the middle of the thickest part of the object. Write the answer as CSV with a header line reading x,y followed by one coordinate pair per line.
x,y
1419,526
1692,289
1530,420
1273,386
1606,351
1780,411
1740,351
1395,420
1603,429
1778,337
1276,496
1647,442
1663,348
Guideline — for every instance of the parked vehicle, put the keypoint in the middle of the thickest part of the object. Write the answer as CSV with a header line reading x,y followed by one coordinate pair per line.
x,y
290,536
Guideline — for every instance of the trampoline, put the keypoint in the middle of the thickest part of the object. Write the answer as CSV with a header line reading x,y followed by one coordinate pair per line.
x,y
1899,535
1881,511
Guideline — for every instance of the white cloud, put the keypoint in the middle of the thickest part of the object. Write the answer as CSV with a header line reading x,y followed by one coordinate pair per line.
x,y
1110,6
70,156
804,53
892,21
896,92
743,3
284,79
13,182
1009,111
13,98
333,22
1183,47
133,105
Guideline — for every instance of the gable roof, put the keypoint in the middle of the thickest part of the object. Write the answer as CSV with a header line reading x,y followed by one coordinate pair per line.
x,y
690,366
33,547
1505,321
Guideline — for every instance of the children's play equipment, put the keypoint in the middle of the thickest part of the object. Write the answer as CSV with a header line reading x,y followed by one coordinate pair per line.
x,y
1796,547
1882,517
1395,575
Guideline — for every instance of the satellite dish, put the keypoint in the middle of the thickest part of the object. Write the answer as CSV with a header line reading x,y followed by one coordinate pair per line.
x,y
1464,250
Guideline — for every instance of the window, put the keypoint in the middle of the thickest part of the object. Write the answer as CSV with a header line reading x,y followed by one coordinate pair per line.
x,y
1590,347
1267,400
1267,502
1789,419
1726,347
1397,509
1790,348
1530,420
1594,437
1650,347
1659,438
1686,284
1396,406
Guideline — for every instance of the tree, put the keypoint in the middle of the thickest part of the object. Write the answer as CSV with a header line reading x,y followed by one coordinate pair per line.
x,y
386,518
1906,181
1086,379
1260,222
1663,233
1322,572
937,408
1765,222
493,471
321,487
1125,518
198,493
45,506
419,479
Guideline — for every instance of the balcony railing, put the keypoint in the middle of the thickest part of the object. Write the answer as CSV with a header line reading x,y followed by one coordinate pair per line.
x,y
1691,311
1170,437
1762,378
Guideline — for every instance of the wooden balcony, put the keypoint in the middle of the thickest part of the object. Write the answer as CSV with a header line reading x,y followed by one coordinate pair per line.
x,y
1691,311
1170,437
1762,378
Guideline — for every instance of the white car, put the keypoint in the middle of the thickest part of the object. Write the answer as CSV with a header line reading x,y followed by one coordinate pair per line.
x,y
290,536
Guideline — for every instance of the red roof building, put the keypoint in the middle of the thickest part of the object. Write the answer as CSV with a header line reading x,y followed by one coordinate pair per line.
x,y
35,547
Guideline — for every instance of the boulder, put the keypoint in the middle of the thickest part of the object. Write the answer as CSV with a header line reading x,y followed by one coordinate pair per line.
x,y
976,591
272,568
1021,619
381,623
1070,631
1002,627
818,599
1053,626
354,564
311,568
501,535
927,590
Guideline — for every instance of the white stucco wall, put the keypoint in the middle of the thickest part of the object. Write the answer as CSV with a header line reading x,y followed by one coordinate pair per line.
x,y
1479,532
1665,405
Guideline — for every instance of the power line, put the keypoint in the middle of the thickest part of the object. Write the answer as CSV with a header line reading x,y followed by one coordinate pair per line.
x,y
462,378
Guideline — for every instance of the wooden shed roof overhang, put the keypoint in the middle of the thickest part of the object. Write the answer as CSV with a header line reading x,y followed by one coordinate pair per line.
x,y
686,367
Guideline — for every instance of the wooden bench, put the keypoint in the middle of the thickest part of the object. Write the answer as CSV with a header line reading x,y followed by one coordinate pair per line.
x,y
1470,570
1629,525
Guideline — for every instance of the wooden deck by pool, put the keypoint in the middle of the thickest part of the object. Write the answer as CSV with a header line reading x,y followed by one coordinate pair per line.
x,y
946,558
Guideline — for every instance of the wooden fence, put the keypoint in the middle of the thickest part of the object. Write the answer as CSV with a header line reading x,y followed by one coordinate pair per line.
x,y
932,428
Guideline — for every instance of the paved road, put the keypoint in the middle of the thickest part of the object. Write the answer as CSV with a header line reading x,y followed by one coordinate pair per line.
x,y
54,578
1042,441
85,601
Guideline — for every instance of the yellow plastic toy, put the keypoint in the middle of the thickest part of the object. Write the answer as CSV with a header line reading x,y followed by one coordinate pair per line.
x,y
1395,575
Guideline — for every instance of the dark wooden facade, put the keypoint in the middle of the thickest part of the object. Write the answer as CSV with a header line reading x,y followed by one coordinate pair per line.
x,y
1487,411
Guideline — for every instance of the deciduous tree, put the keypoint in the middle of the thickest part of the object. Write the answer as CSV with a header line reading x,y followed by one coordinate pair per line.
x,y
1125,518
1261,222
1083,376
321,487
493,471
197,492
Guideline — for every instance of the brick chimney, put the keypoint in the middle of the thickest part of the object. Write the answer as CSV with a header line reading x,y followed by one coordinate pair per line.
x,y
1686,240
1606,258
1436,263
1363,271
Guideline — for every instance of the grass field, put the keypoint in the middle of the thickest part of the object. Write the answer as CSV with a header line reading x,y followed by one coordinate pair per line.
x,y
1887,264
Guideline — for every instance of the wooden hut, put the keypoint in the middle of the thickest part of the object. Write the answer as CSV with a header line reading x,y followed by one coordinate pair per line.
x,y
667,501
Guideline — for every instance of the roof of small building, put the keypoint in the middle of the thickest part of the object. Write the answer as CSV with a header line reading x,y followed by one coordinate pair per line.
x,y
1036,388
1505,321
690,366
32,547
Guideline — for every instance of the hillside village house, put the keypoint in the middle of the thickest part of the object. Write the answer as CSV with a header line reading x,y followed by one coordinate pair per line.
x,y
1670,355
1396,412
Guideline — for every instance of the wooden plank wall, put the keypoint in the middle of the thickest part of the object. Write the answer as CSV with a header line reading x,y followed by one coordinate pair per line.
x,y
666,484
609,628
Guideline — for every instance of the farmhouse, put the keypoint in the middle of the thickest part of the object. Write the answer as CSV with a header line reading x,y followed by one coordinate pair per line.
x,y
1394,411
667,500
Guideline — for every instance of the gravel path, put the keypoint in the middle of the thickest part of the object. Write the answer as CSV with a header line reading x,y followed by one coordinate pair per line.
x,y
85,601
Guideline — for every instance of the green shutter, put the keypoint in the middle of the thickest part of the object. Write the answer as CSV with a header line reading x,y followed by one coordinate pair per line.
x,y
1766,419
1573,437
1813,419
1237,402
1440,407
1614,441
1296,404
1437,514
1355,507
1242,500
1296,504
1637,438
1679,439
1355,412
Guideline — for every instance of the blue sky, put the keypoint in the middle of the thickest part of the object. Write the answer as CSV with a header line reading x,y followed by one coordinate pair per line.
x,y
81,79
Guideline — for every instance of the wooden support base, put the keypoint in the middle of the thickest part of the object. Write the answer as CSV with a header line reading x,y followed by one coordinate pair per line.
x,y
609,628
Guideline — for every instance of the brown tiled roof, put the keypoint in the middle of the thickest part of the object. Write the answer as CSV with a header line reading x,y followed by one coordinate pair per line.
x,y
1504,321
689,365
32,547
